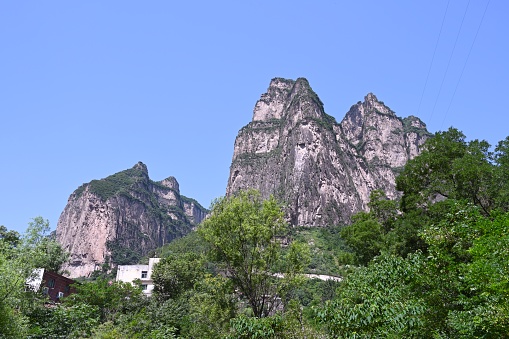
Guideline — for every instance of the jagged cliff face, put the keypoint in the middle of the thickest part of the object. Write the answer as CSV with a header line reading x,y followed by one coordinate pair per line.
x,y
323,171
118,219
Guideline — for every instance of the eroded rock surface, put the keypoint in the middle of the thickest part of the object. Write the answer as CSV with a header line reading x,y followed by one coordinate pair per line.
x,y
118,219
322,170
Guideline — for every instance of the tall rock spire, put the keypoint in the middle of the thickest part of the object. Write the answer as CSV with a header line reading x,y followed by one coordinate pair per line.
x,y
323,171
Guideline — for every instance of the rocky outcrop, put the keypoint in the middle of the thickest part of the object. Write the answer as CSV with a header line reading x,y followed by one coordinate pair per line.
x,y
323,171
118,219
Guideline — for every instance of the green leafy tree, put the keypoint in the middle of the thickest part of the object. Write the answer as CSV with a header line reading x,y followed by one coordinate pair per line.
x,y
429,175
382,209
244,327
63,321
176,274
9,238
377,302
487,314
473,251
404,238
171,314
244,232
45,252
365,236
289,325
110,298
501,181
458,289
450,167
212,306
19,257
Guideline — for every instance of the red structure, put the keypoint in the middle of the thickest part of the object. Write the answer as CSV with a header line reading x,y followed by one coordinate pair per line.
x,y
54,285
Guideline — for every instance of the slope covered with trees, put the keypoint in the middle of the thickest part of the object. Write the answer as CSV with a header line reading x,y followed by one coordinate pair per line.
x,y
438,266
432,265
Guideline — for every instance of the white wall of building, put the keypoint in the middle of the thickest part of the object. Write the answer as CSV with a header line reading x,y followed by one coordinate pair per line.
x,y
129,273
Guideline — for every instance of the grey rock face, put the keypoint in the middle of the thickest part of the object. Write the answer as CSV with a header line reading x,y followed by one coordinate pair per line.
x,y
118,219
323,171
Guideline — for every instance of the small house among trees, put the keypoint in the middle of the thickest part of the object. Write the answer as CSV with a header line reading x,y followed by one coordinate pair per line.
x,y
52,284
143,273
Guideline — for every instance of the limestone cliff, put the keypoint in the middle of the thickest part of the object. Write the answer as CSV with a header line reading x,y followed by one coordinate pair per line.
x,y
323,171
118,219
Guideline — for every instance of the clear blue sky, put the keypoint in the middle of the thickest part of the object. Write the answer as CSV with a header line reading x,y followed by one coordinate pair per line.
x,y
89,88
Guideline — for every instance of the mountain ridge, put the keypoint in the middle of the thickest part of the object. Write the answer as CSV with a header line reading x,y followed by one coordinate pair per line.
x,y
120,218
321,169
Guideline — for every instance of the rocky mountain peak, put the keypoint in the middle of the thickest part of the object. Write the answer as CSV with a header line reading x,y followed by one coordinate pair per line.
x,y
302,87
281,83
171,183
370,97
141,167
366,116
119,219
283,93
271,104
372,105
413,122
323,171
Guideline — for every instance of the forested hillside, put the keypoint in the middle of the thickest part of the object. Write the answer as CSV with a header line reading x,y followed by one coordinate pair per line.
x,y
431,265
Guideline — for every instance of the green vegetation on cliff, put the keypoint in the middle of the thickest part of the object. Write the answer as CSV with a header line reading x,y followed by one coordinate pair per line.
x,y
139,205
114,184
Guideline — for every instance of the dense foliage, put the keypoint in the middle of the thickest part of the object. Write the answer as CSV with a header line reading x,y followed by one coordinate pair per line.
x,y
113,184
245,233
436,267
433,265
19,257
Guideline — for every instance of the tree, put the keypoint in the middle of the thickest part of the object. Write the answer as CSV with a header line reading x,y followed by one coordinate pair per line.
x,y
290,325
45,252
365,236
63,322
501,180
110,298
404,238
10,238
489,274
244,232
176,274
450,168
212,306
19,257
377,301
465,279
428,176
382,209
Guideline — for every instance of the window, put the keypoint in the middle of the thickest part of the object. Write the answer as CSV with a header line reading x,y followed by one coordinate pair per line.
x,y
51,283
144,274
144,287
60,295
45,290
67,288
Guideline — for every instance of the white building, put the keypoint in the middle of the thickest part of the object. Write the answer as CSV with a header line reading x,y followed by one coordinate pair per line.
x,y
129,273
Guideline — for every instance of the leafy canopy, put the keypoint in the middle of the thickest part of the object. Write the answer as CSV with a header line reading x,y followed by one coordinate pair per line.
x,y
245,234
